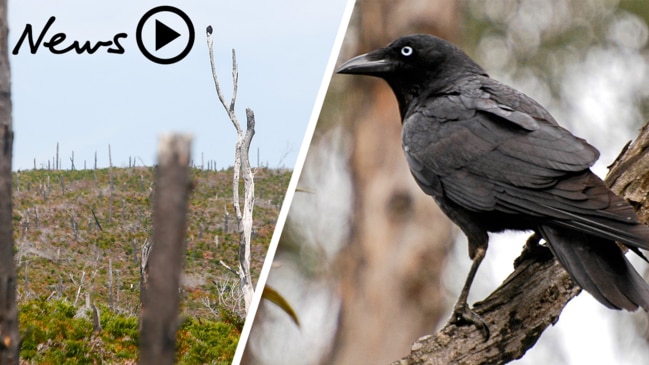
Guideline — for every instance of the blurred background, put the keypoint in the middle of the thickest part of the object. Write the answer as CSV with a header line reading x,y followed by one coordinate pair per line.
x,y
366,259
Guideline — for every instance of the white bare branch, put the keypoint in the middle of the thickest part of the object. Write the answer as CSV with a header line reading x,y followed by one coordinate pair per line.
x,y
241,165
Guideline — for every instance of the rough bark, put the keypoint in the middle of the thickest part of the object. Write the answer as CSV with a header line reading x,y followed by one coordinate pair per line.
x,y
9,338
241,165
629,175
161,299
534,295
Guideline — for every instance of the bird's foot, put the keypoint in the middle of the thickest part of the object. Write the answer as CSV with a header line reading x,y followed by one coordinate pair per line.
x,y
462,314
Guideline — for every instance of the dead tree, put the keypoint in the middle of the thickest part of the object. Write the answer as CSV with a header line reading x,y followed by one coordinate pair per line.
x,y
144,267
9,340
161,299
112,186
241,167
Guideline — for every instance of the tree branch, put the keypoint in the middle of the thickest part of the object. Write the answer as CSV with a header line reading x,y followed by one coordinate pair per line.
x,y
534,295
227,267
235,78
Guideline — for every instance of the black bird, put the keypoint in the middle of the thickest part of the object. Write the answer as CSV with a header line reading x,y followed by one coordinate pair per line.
x,y
495,160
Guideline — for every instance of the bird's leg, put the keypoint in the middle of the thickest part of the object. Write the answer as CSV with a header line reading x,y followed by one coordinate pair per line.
x,y
461,311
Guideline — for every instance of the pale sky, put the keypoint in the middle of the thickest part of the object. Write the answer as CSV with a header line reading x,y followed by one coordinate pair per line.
x,y
86,102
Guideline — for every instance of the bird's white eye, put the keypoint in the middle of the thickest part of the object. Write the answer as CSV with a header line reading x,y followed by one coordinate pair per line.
x,y
406,51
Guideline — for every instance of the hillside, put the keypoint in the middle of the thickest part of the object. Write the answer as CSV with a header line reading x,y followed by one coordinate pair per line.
x,y
63,252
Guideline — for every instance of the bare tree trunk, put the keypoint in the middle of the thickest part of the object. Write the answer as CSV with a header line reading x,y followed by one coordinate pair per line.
x,y
241,165
112,186
110,284
245,217
161,299
144,267
96,322
400,239
9,338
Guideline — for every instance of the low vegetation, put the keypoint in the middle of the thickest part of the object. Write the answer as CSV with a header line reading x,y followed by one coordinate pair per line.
x,y
78,238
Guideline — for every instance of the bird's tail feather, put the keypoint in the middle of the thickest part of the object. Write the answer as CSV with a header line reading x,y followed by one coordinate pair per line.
x,y
599,266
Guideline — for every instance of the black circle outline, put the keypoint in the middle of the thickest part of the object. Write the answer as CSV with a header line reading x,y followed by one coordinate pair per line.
x,y
140,26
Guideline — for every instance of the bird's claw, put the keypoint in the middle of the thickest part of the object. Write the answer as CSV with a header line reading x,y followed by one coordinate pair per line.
x,y
462,314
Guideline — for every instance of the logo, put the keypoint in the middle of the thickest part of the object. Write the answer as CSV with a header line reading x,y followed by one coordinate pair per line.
x,y
170,46
164,35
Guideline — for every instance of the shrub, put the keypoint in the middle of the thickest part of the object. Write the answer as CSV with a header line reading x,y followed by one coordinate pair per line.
x,y
206,342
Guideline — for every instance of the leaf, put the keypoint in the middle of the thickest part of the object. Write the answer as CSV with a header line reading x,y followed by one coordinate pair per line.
x,y
273,296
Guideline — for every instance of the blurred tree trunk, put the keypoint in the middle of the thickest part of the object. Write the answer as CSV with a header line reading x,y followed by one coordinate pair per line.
x,y
161,297
9,339
391,290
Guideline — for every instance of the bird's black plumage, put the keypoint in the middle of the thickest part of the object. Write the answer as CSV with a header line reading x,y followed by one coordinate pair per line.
x,y
494,159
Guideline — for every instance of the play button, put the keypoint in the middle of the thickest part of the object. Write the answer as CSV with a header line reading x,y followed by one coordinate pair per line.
x,y
165,35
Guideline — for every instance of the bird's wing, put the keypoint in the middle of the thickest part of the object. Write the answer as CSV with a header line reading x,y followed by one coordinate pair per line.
x,y
498,150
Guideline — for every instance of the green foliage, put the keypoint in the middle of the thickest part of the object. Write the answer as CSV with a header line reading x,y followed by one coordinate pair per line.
x,y
207,342
52,335
120,326
120,334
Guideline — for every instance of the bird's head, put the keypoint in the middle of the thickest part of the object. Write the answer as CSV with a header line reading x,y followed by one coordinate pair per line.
x,y
413,65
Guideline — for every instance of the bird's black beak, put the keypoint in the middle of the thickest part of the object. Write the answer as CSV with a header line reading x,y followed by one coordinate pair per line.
x,y
373,64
